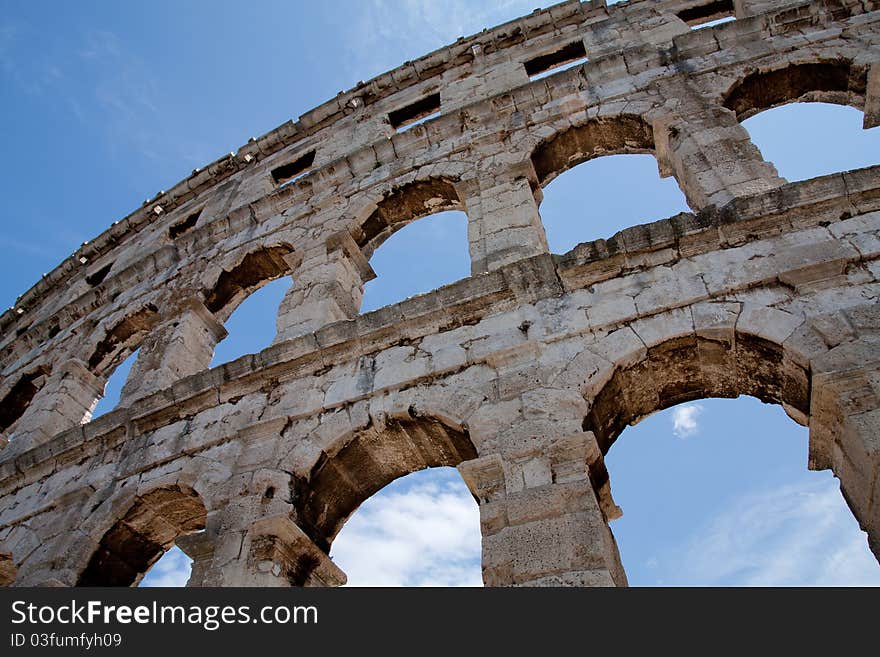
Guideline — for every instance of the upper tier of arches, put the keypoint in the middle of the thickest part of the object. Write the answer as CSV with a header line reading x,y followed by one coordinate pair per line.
x,y
299,202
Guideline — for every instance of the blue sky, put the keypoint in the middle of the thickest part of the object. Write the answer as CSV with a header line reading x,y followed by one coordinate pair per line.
x,y
105,103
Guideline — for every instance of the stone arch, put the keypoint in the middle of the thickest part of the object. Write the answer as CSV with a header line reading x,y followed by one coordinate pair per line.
x,y
726,359
121,340
691,366
360,463
235,283
835,81
149,527
402,205
625,133
17,398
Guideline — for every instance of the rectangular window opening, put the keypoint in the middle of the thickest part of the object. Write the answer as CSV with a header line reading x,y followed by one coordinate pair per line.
x,y
709,14
567,56
181,227
96,277
287,173
418,112
420,121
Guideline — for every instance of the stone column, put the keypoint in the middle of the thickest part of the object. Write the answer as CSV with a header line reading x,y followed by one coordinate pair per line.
x,y
845,430
541,521
328,286
708,151
252,539
200,548
503,220
182,344
66,400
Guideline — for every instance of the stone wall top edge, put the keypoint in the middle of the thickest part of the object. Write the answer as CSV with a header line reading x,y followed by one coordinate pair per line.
x,y
205,178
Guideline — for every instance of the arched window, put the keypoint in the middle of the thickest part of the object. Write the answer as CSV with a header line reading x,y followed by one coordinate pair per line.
x,y
691,368
420,530
354,467
806,140
131,546
420,257
596,195
716,492
251,326
605,195
113,388
415,237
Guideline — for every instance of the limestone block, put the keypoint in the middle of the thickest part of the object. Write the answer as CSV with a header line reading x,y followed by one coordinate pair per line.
x,y
768,323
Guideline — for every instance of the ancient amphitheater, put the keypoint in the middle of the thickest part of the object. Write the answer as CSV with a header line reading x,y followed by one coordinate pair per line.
x,y
521,375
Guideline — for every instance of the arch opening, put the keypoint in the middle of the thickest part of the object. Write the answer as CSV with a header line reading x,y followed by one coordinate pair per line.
x,y
403,205
605,195
841,145
254,270
835,82
595,138
422,529
420,257
715,493
366,462
121,340
146,532
251,327
114,385
690,368
680,373
605,168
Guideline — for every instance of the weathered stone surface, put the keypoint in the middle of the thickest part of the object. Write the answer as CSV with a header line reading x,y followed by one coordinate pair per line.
x,y
523,374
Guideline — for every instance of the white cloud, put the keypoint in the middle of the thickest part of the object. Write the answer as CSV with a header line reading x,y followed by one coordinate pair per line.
x,y
684,420
424,534
795,535
173,569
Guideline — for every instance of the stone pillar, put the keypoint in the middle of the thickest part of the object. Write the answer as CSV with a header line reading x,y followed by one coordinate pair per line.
x,y
200,548
328,286
872,99
541,521
182,344
709,152
503,220
845,432
252,539
66,400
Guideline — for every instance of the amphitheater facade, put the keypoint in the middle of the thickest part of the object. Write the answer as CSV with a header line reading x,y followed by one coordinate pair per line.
x,y
521,375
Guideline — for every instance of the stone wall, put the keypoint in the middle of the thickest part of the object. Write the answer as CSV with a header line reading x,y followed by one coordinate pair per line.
x,y
523,374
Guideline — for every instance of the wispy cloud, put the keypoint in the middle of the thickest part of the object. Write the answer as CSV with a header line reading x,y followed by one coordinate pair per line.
x,y
425,535
685,420
385,31
796,535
